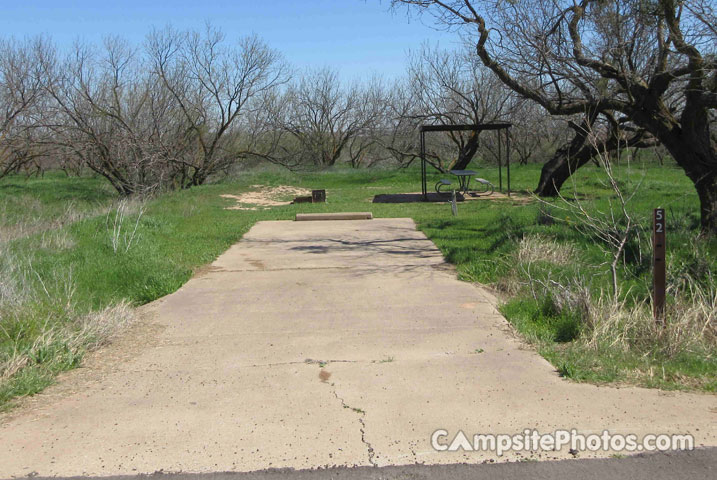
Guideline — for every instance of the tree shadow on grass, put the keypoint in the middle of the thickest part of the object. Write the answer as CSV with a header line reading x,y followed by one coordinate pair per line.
x,y
461,243
59,191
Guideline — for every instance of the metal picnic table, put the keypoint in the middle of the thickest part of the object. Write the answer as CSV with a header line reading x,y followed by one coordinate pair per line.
x,y
464,179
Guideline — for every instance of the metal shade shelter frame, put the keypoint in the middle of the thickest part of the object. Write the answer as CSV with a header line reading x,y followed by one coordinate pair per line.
x,y
499,127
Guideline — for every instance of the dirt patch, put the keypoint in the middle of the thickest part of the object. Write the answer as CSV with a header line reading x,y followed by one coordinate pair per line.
x,y
205,270
265,197
515,197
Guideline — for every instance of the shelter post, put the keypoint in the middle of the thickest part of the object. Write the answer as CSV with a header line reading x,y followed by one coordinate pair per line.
x,y
507,155
500,165
424,186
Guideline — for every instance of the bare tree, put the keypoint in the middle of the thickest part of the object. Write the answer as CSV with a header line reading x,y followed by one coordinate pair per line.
x,y
106,112
213,85
318,120
535,133
396,133
453,87
21,96
653,62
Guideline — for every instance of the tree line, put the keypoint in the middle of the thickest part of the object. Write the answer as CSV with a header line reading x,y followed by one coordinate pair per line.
x,y
188,105
574,78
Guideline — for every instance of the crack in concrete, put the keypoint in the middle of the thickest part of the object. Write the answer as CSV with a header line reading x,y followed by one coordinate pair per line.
x,y
362,413
369,447
362,421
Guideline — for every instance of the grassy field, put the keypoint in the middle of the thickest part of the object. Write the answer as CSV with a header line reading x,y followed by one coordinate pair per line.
x,y
75,259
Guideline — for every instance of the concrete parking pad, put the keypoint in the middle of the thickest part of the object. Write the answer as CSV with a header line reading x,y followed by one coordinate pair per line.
x,y
313,344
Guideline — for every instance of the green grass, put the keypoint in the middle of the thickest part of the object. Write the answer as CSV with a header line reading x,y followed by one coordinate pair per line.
x,y
38,199
181,231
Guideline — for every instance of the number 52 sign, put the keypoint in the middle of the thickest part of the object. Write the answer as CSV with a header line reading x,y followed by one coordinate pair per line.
x,y
658,264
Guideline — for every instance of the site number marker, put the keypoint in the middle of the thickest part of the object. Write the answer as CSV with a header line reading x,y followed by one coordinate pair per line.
x,y
658,265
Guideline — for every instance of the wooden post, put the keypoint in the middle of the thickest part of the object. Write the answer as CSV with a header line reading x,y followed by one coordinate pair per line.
x,y
658,265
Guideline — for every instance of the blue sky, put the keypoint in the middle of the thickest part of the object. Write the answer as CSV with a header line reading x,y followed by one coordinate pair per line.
x,y
355,36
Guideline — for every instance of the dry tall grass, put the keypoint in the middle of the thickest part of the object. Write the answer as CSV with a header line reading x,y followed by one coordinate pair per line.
x,y
34,222
608,321
85,333
534,248
690,326
121,229
39,321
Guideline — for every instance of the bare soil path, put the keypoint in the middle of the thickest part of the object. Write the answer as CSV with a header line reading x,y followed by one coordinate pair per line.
x,y
312,344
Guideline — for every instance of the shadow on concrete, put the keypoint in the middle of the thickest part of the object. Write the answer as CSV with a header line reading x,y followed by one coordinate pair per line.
x,y
373,247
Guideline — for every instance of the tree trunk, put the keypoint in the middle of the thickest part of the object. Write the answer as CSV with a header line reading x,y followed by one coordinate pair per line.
x,y
576,153
699,161
707,192
466,154
689,142
560,167
566,160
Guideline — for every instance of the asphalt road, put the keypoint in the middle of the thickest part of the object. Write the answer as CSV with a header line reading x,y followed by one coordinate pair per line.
x,y
694,465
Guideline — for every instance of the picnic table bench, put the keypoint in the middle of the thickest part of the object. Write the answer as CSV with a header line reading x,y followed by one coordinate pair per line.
x,y
464,180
